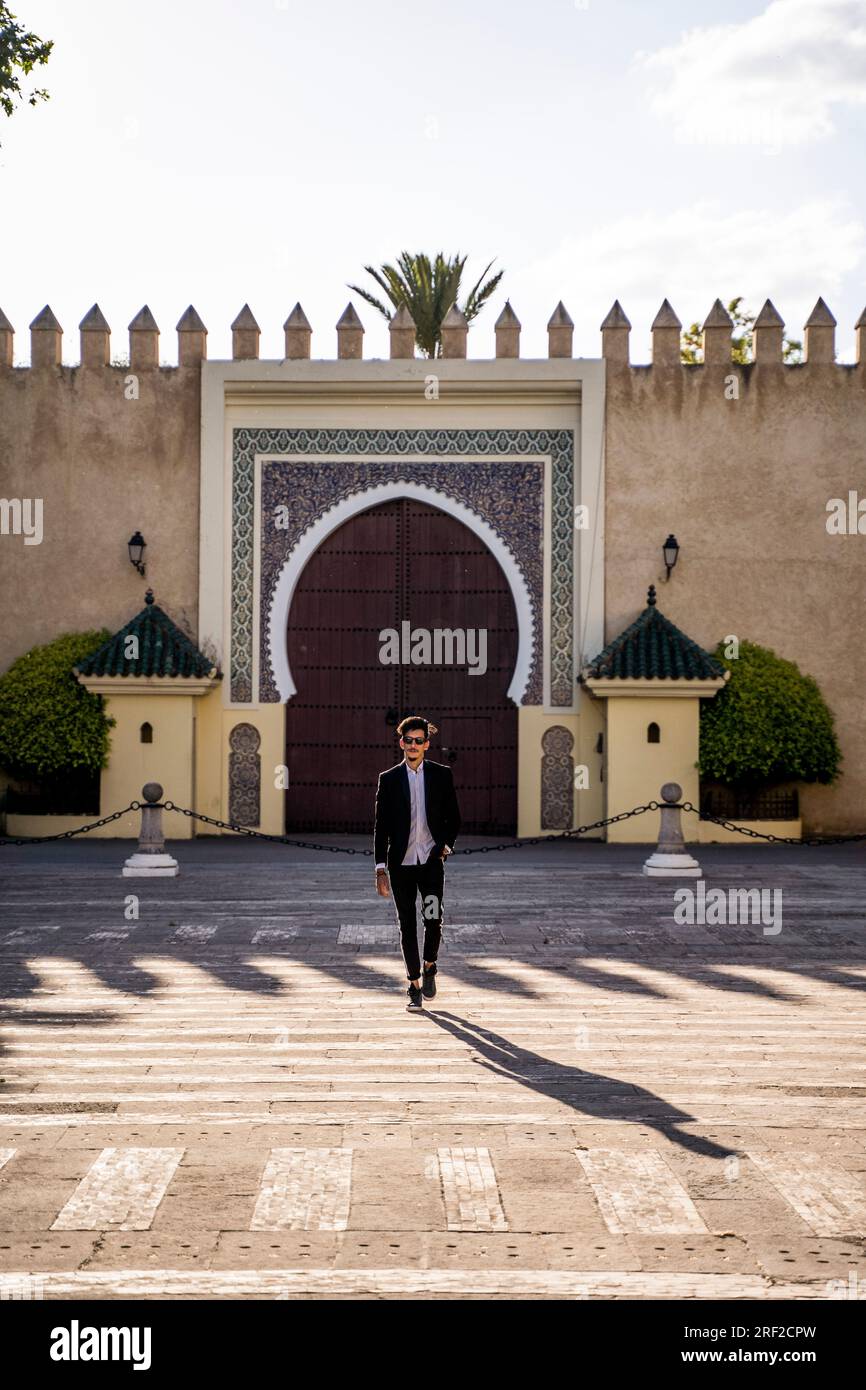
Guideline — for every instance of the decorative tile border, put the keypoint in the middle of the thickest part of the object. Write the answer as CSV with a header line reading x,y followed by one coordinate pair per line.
x,y
507,494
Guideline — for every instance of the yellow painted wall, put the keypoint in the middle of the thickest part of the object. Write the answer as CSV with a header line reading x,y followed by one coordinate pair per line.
x,y
717,835
589,804
198,780
209,715
531,726
214,725
167,760
635,770
270,720
30,826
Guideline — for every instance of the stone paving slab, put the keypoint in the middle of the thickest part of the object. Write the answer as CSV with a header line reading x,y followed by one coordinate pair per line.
x,y
554,1212
204,1210
745,1216
801,1256
34,1250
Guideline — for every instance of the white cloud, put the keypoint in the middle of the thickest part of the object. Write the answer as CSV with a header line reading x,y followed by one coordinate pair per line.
x,y
770,81
692,255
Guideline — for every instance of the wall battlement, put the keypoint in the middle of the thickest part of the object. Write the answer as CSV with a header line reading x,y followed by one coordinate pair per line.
x,y
46,338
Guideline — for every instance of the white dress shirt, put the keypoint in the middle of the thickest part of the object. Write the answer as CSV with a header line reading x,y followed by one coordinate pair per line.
x,y
420,840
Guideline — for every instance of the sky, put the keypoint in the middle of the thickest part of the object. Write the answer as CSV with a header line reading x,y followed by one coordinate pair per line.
x,y
218,152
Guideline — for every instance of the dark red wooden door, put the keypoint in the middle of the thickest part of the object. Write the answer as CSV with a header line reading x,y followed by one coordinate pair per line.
x,y
404,560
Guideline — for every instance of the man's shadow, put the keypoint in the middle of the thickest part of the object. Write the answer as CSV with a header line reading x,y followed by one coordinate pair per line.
x,y
590,1092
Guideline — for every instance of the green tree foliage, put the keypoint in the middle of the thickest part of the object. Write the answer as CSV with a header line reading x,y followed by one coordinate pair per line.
x,y
691,344
769,724
19,54
49,724
428,289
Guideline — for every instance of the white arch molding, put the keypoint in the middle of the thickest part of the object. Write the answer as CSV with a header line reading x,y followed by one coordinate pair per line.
x,y
293,568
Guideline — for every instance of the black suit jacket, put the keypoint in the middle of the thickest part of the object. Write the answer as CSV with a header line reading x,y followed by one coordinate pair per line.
x,y
394,811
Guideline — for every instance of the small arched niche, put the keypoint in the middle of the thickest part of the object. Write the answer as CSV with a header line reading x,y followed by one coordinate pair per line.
x,y
245,775
145,733
653,733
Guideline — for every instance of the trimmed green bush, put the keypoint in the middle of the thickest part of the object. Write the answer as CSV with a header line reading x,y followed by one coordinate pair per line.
x,y
50,726
769,724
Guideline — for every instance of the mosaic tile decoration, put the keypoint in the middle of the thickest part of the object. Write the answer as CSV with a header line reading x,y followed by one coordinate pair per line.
x,y
557,778
245,775
332,479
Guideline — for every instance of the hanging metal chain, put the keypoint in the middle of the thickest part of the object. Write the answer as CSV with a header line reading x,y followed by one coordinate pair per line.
x,y
258,834
368,853
810,843
68,834
563,835
813,842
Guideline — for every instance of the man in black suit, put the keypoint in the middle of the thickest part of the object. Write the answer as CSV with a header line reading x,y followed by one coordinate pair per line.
x,y
417,820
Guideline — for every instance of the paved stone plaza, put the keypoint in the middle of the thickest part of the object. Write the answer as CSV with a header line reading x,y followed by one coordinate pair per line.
x,y
228,1098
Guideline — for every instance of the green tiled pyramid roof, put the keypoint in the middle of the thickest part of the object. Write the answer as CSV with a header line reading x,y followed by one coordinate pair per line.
x,y
653,649
163,649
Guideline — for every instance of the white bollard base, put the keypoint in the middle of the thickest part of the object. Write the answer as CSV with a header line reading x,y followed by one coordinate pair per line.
x,y
672,866
150,866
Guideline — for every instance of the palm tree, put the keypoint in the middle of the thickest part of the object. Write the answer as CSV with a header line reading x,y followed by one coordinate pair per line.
x,y
428,290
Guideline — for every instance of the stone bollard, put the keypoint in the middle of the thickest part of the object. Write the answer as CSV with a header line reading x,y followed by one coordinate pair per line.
x,y
151,860
671,858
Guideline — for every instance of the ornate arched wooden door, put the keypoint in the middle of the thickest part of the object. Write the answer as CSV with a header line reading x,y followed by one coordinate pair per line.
x,y
402,561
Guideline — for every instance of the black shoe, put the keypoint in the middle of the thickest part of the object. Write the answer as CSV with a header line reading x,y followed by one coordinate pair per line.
x,y
428,981
415,1001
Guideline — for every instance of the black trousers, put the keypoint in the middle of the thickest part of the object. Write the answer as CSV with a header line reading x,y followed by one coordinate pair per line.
x,y
407,881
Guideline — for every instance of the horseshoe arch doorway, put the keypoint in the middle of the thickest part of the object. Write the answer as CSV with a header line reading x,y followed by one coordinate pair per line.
x,y
403,560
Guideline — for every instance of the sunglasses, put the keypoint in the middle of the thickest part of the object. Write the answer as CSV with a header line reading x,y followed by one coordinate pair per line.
x,y
409,739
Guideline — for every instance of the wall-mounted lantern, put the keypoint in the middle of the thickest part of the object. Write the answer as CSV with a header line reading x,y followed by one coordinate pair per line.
x,y
670,550
136,547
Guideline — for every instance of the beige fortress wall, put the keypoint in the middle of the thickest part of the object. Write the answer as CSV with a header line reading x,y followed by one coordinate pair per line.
x,y
744,486
743,483
104,467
